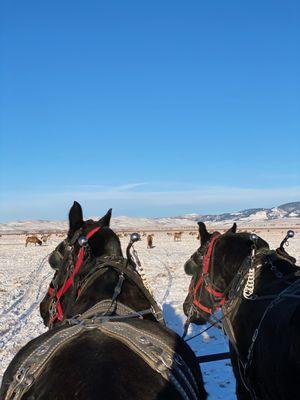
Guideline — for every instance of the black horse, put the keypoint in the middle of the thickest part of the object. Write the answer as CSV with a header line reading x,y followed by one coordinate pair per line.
x,y
258,290
106,338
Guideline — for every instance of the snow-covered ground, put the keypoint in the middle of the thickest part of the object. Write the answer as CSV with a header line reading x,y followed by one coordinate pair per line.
x,y
25,275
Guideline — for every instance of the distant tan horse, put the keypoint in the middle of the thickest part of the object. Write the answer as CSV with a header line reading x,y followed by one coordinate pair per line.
x,y
177,236
150,241
33,239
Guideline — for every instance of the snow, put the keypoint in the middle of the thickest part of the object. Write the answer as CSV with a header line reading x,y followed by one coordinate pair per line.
x,y
25,275
260,215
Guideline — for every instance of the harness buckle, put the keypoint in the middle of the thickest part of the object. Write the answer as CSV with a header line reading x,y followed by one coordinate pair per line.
x,y
22,382
206,279
52,309
88,324
118,287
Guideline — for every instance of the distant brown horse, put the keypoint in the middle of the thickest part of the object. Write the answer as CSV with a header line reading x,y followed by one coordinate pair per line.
x,y
177,236
150,241
33,239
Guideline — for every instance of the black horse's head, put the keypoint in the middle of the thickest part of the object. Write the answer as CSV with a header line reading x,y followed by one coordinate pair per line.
x,y
213,267
102,241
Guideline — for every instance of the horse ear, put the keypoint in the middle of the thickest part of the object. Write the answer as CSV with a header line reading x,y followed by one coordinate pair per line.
x,y
232,229
75,217
204,235
105,221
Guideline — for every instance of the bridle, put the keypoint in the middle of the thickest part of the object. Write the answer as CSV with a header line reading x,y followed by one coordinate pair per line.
x,y
205,281
55,308
204,284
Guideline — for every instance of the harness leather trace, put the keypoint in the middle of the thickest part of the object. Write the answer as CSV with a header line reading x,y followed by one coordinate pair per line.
x,y
150,347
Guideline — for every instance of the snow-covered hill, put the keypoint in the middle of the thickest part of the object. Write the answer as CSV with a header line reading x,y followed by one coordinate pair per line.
x,y
285,214
288,210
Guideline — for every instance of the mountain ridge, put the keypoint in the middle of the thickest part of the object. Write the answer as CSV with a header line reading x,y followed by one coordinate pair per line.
x,y
286,212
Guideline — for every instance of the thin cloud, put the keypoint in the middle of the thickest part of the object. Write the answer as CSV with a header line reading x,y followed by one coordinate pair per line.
x,y
129,186
125,199
123,187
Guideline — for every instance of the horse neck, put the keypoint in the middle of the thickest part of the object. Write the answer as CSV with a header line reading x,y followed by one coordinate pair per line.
x,y
227,264
232,252
103,289
267,279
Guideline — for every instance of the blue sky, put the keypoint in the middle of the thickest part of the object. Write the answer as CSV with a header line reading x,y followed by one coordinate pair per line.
x,y
152,108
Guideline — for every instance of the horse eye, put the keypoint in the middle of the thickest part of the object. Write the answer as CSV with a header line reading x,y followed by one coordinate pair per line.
x,y
55,260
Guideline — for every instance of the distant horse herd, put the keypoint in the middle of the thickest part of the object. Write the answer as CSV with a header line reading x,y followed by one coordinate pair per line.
x,y
43,239
107,337
177,236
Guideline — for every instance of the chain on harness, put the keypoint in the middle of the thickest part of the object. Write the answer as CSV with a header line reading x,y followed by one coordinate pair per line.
x,y
141,269
250,283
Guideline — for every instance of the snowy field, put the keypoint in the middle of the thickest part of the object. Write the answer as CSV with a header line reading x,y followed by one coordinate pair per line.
x,y
25,275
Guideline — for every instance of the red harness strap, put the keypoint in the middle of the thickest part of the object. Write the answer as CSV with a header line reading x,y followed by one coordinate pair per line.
x,y
59,313
209,289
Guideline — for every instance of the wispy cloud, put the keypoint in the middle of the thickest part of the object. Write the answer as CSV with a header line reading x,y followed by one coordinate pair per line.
x,y
128,186
101,188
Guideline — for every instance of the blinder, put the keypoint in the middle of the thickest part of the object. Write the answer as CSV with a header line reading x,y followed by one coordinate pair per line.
x,y
55,260
57,256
